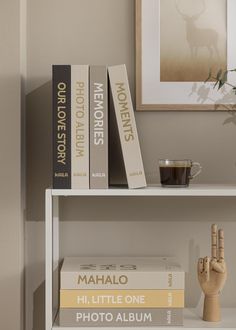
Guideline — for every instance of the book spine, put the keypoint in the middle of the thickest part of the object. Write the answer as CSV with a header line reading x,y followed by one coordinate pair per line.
x,y
120,317
61,126
122,280
127,127
79,127
98,128
121,298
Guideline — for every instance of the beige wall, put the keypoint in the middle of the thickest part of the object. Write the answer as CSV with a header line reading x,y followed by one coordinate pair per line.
x,y
11,223
96,32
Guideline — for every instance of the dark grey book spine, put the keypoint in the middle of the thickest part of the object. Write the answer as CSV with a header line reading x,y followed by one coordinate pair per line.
x,y
120,317
98,127
61,81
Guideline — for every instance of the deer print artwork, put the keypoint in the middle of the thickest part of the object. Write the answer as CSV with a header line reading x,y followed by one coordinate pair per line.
x,y
192,39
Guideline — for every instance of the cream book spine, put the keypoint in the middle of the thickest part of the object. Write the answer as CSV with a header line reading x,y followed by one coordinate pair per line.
x,y
79,273
122,280
127,126
79,126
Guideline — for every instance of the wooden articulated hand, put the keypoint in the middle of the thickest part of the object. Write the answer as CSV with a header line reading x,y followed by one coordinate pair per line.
x,y
212,274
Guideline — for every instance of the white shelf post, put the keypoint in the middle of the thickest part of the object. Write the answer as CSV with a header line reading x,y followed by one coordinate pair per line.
x,y
51,258
48,259
55,256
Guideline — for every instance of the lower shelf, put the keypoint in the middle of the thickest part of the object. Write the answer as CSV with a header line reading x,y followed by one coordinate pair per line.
x,y
192,320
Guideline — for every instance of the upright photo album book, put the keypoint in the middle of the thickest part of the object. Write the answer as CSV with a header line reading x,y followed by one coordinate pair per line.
x,y
81,126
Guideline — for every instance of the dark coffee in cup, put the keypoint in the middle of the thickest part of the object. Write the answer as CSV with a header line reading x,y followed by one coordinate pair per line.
x,y
177,173
177,176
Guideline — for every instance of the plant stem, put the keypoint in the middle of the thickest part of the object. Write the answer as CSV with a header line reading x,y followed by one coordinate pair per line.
x,y
226,83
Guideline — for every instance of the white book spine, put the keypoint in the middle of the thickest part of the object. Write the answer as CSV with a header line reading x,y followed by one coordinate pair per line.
x,y
127,126
79,127
122,280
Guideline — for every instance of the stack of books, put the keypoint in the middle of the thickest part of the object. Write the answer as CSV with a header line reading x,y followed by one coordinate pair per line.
x,y
121,292
80,127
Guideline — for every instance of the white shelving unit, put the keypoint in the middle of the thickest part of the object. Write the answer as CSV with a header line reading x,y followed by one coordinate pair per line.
x,y
192,191
192,319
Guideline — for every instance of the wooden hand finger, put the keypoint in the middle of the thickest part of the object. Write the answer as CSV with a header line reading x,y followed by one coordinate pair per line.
x,y
214,241
200,266
218,267
206,268
221,245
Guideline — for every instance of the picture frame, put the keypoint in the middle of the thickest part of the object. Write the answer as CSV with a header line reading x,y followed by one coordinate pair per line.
x,y
154,94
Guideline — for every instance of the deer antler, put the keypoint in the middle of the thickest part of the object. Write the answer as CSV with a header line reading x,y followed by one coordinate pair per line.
x,y
178,9
196,16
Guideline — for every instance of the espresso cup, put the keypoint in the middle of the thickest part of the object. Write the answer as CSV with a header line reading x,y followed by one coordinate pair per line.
x,y
178,173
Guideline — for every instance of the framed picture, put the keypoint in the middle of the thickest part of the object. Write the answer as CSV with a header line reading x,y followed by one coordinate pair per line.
x,y
178,42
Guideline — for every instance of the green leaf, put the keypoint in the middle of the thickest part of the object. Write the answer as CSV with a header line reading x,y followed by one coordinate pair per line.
x,y
209,76
224,77
219,73
221,84
233,70
216,84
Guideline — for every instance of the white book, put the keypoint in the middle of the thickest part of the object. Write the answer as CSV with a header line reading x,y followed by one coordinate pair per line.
x,y
127,126
79,126
125,273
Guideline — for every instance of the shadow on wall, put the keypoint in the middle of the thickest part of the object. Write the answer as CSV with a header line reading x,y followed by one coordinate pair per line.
x,y
38,149
39,308
226,100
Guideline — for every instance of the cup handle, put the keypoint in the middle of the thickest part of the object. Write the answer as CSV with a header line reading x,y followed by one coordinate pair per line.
x,y
198,165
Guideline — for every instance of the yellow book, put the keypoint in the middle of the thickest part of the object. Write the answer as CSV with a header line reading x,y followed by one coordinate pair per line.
x,y
121,298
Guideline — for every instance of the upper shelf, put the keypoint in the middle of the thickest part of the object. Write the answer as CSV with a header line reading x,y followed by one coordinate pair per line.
x,y
211,190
